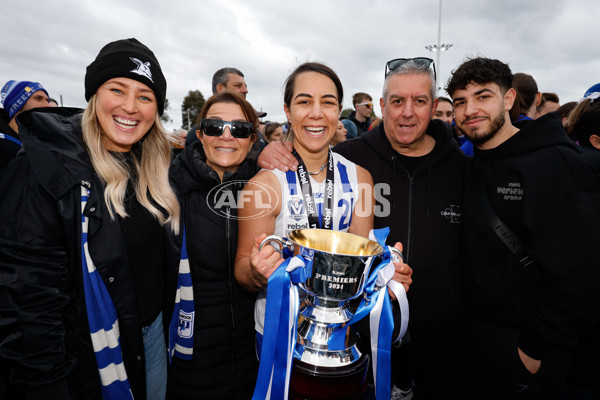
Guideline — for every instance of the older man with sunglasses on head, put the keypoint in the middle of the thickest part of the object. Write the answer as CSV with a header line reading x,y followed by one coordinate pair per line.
x,y
417,169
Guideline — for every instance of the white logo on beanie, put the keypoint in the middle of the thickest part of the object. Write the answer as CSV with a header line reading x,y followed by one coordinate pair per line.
x,y
143,68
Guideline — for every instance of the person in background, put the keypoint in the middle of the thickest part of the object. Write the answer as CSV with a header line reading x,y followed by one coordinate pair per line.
x,y
564,111
589,100
16,97
529,254
220,362
444,110
528,98
274,132
350,128
549,103
361,116
340,134
88,216
232,80
583,126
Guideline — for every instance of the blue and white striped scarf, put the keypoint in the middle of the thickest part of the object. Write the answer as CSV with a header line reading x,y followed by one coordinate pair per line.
x,y
102,319
181,328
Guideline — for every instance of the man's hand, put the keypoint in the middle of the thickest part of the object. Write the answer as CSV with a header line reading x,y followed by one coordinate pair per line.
x,y
402,273
278,155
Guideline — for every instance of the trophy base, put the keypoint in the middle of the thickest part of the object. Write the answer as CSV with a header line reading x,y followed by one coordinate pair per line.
x,y
309,382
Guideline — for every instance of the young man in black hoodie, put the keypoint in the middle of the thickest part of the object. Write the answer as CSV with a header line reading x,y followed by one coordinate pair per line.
x,y
531,218
418,171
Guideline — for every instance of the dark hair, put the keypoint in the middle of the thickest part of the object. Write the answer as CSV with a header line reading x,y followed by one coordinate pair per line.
x,y
228,97
222,77
584,121
359,97
270,128
480,70
311,67
547,96
527,91
442,99
565,109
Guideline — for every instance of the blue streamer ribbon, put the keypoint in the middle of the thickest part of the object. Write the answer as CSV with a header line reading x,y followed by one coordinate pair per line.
x,y
279,335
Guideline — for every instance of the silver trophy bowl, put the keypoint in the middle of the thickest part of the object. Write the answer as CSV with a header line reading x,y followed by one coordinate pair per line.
x,y
340,266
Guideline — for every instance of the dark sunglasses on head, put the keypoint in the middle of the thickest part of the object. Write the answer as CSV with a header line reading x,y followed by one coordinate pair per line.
x,y
423,62
216,127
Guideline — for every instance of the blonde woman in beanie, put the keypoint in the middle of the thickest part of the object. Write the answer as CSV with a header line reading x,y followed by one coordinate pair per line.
x,y
87,219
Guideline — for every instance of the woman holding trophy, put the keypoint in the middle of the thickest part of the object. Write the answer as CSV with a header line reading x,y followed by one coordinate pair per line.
x,y
327,191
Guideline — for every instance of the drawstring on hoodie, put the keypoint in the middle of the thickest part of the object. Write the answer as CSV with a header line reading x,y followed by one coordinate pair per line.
x,y
428,186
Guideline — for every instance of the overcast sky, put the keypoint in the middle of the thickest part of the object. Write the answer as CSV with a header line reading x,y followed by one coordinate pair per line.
x,y
52,42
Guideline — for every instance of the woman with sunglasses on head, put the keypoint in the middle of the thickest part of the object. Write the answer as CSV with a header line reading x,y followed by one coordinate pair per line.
x,y
87,214
215,356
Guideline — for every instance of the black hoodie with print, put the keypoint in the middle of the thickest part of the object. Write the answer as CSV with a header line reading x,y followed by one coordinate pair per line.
x,y
540,188
423,211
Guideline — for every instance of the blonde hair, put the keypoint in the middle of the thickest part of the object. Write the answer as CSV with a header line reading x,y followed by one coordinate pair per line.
x,y
152,169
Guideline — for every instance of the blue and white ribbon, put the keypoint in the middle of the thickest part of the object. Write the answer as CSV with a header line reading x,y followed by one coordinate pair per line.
x,y
102,319
377,305
279,339
181,328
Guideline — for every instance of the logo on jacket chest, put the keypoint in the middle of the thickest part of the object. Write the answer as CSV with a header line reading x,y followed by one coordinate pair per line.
x,y
512,191
452,214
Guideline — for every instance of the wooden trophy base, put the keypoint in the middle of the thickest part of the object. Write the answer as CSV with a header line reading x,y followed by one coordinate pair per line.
x,y
309,382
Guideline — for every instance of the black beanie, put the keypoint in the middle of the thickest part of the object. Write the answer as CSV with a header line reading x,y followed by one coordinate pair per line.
x,y
126,58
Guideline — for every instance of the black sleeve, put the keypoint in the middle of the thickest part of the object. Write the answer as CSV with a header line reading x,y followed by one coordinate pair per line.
x,y
33,280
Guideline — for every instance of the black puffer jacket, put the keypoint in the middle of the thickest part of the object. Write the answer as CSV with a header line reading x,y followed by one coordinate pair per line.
x,y
423,212
44,330
224,364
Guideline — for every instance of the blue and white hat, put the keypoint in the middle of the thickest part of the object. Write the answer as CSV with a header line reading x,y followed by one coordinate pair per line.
x,y
592,93
15,94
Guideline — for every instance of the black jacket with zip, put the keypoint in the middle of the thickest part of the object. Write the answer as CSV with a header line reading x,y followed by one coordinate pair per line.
x,y
224,364
423,212
44,330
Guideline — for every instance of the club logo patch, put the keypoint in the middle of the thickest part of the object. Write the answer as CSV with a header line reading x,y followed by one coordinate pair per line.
x,y
143,68
185,327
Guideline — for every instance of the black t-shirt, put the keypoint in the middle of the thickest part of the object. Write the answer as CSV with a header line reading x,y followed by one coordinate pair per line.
x,y
412,163
144,239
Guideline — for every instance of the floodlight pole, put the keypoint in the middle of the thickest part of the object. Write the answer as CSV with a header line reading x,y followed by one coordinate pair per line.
x,y
438,48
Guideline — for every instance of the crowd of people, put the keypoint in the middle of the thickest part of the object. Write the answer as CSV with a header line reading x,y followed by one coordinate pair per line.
x,y
126,270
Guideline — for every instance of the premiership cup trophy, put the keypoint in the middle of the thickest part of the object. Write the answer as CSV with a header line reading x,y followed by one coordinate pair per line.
x,y
340,267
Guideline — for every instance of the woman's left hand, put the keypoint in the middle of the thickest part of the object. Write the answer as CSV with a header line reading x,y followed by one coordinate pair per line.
x,y
402,273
